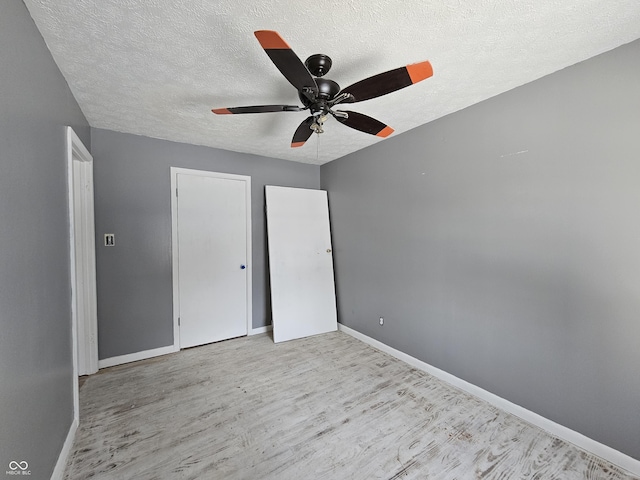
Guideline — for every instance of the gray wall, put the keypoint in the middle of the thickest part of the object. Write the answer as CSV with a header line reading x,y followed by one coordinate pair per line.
x,y
133,200
36,370
502,244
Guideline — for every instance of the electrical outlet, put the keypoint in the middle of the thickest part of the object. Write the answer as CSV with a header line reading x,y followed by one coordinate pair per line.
x,y
381,321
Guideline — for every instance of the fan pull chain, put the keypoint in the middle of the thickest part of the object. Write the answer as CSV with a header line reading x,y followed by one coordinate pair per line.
x,y
318,149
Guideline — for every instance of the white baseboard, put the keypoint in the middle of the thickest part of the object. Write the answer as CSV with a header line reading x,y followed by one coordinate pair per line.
x,y
61,464
256,331
156,352
134,357
603,451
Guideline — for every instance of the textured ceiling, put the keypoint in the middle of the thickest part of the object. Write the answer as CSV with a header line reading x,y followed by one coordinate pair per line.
x,y
157,67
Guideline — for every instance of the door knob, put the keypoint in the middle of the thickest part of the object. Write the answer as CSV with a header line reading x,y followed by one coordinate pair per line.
x,y
242,267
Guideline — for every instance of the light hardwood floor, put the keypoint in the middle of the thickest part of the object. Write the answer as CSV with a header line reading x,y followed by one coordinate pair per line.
x,y
325,407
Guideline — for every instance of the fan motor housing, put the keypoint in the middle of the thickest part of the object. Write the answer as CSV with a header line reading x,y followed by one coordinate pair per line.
x,y
327,90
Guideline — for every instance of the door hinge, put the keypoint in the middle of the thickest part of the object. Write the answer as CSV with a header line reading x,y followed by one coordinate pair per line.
x,y
178,321
176,192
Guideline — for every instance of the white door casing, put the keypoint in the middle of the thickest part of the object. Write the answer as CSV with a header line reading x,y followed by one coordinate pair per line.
x,y
211,256
303,300
83,264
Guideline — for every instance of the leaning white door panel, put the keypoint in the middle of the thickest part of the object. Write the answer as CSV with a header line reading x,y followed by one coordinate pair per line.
x,y
303,298
212,258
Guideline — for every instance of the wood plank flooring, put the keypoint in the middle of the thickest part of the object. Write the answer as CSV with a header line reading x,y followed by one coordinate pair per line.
x,y
325,407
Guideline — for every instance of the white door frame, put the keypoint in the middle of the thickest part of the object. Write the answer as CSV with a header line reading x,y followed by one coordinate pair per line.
x,y
84,326
174,244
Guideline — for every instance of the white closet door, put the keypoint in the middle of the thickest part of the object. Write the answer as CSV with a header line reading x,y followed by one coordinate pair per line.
x,y
212,251
303,300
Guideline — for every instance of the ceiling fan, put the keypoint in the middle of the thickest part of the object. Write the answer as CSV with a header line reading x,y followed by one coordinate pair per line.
x,y
319,95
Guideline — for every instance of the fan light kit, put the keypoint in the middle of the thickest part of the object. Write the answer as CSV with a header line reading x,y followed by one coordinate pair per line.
x,y
319,95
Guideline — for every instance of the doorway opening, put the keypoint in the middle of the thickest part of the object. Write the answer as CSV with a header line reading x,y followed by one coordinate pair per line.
x,y
83,261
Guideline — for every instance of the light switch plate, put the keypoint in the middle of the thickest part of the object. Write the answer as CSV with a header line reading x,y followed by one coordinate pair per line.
x,y
109,240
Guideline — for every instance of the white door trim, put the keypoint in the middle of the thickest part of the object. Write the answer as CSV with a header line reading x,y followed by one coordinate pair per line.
x,y
84,326
175,171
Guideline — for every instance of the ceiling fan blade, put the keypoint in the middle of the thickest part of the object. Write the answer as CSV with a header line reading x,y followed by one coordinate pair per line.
x,y
286,60
303,132
390,81
365,124
258,109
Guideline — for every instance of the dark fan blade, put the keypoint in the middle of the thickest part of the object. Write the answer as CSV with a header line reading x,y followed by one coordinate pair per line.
x,y
286,60
390,81
257,109
365,124
303,132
